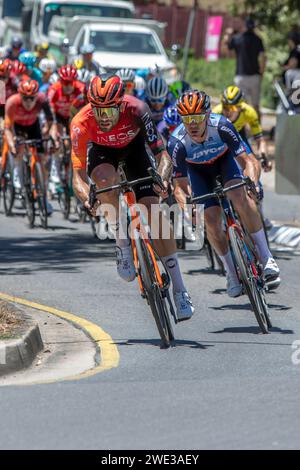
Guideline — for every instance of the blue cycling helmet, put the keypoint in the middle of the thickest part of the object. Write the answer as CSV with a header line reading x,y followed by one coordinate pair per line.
x,y
28,59
143,73
171,116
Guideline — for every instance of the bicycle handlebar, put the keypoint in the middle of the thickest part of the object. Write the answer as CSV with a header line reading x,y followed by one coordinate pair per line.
x,y
32,142
154,176
220,191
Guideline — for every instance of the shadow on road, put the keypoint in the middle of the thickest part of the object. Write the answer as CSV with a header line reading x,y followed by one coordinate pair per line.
x,y
194,272
253,329
157,343
66,253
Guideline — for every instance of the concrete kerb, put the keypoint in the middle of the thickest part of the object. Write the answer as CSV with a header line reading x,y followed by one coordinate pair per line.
x,y
18,352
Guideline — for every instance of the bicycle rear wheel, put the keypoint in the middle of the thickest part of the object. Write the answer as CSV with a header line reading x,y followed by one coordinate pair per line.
x,y
251,282
64,196
153,292
8,186
41,195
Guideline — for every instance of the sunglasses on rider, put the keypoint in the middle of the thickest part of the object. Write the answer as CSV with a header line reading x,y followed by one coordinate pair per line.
x,y
66,83
230,107
193,118
110,113
157,100
28,98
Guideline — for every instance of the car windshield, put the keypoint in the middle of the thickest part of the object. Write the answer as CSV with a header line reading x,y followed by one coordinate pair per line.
x,y
120,41
69,10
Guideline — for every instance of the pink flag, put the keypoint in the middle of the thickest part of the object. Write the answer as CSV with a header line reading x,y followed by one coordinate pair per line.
x,y
213,34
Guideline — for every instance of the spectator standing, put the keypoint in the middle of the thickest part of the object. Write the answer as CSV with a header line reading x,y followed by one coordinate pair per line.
x,y
250,62
293,60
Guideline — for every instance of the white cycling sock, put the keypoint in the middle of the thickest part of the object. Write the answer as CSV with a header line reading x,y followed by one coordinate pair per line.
x,y
172,266
260,241
227,260
122,241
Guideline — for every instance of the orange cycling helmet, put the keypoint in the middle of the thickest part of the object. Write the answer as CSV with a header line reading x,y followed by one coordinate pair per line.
x,y
67,73
5,67
193,102
106,91
28,88
18,67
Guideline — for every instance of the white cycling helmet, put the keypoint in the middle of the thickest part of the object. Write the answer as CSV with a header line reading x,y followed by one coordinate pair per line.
x,y
54,78
139,83
47,65
85,76
127,75
157,88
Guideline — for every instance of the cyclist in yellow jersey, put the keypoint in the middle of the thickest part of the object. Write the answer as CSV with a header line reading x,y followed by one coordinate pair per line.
x,y
242,114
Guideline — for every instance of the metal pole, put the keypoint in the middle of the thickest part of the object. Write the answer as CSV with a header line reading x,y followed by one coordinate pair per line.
x,y
188,39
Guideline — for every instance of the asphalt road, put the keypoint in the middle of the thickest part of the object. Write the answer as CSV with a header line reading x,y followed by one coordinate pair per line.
x,y
224,385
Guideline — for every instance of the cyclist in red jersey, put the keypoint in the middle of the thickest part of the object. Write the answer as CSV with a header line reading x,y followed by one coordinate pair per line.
x,y
114,127
61,95
8,83
22,112
84,76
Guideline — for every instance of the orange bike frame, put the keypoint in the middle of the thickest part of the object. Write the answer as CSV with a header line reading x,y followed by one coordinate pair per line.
x,y
130,200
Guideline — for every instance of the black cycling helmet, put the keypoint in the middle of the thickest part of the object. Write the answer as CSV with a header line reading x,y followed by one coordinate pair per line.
x,y
16,42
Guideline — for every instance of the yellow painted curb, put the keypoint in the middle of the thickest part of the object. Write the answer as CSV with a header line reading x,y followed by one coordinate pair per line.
x,y
109,352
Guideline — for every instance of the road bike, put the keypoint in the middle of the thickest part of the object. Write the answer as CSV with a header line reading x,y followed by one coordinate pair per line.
x,y
248,266
153,278
35,193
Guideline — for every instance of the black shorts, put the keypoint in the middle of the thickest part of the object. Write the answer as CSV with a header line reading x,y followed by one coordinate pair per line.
x,y
137,161
2,110
65,122
30,132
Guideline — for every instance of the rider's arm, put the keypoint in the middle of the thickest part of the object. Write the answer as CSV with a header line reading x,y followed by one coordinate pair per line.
x,y
177,152
250,166
9,125
182,190
154,140
231,137
52,94
81,185
79,141
165,166
252,120
51,120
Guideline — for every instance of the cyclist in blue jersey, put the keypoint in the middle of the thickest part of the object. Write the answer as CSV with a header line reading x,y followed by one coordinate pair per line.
x,y
157,97
203,147
171,120
29,60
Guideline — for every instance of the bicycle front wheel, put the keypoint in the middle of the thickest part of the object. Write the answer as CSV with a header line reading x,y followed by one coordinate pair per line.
x,y
8,186
28,195
250,280
153,292
41,195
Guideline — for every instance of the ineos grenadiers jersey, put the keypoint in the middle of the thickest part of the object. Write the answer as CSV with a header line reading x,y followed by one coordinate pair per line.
x,y
221,136
135,117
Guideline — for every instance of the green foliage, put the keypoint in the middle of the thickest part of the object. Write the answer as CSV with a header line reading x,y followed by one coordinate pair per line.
x,y
271,13
213,77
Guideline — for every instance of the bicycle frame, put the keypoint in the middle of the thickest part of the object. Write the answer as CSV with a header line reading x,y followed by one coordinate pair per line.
x,y
31,158
136,224
230,219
